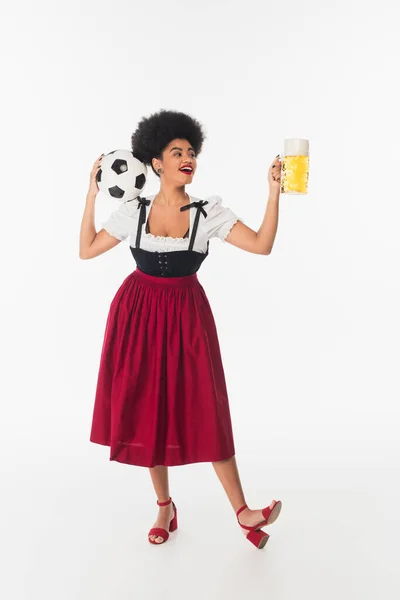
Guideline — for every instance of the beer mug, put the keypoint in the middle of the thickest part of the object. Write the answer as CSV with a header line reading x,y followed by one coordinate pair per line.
x,y
295,167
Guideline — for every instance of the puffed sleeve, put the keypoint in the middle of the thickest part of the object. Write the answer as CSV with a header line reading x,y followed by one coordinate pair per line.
x,y
121,223
220,219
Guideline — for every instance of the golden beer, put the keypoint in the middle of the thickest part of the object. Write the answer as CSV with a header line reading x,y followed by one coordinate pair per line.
x,y
295,167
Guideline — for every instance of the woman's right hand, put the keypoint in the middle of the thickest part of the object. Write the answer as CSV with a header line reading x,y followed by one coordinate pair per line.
x,y
93,187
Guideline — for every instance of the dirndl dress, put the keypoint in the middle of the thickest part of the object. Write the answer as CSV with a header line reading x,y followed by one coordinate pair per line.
x,y
161,396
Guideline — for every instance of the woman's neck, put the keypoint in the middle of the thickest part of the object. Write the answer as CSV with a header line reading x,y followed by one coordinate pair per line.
x,y
171,196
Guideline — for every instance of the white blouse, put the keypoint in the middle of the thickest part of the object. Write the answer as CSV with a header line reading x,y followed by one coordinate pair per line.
x,y
123,223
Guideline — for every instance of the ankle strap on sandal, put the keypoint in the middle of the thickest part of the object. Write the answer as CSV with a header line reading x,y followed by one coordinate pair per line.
x,y
241,509
164,503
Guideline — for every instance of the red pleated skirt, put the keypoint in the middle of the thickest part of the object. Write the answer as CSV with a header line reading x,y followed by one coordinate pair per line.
x,y
161,396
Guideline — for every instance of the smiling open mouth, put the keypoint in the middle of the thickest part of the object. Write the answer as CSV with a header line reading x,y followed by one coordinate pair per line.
x,y
187,170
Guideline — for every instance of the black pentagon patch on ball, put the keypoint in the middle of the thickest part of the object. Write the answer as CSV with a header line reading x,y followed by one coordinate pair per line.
x,y
98,175
116,192
140,181
119,166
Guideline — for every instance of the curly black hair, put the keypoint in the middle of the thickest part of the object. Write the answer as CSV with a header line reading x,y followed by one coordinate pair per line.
x,y
154,133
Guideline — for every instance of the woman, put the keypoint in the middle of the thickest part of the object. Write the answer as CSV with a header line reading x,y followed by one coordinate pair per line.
x,y
161,397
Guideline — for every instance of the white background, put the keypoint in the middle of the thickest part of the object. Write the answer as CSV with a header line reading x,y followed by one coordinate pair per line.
x,y
309,334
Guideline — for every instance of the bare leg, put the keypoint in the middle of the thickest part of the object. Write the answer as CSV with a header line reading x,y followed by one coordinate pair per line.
x,y
228,475
159,476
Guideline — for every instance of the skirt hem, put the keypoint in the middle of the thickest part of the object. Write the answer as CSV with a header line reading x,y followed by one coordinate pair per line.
x,y
168,463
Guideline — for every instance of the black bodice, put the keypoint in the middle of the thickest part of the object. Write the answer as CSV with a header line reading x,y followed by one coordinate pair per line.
x,y
176,263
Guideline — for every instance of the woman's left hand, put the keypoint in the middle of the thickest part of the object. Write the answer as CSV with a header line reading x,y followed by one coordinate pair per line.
x,y
274,175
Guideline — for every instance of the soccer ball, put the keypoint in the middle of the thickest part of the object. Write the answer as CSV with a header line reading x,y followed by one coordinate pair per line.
x,y
121,175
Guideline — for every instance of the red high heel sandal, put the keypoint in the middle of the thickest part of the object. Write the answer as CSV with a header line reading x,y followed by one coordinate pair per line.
x,y
256,536
159,531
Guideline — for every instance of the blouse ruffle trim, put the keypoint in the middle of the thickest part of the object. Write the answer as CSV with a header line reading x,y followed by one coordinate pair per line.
x,y
226,229
164,238
159,243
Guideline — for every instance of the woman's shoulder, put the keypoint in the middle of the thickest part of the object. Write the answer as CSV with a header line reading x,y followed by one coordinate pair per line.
x,y
122,221
213,199
214,207
126,208
220,218
208,202
131,208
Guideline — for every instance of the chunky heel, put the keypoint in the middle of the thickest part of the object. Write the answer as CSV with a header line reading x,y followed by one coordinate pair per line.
x,y
159,531
270,513
174,523
259,538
